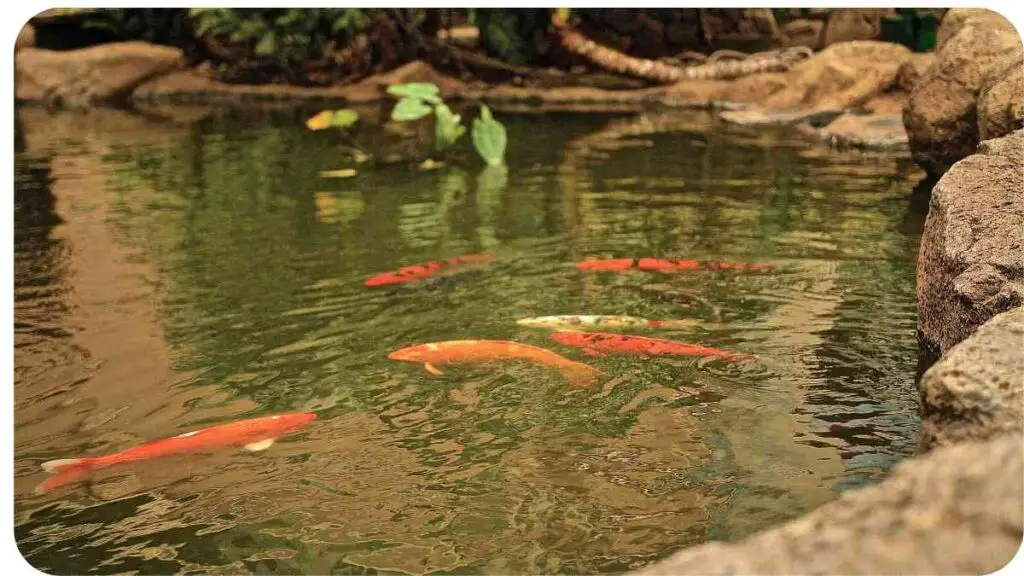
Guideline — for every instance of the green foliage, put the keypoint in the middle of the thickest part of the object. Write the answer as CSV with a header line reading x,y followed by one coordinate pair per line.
x,y
158,25
448,127
410,109
291,36
489,137
418,90
499,34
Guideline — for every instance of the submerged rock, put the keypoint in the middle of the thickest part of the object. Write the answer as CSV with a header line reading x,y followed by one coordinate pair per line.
x,y
941,114
976,391
971,262
90,75
956,510
879,126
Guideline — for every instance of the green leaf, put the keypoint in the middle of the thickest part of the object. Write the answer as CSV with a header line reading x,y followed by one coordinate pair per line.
x,y
267,45
409,109
333,119
489,137
421,90
344,118
447,127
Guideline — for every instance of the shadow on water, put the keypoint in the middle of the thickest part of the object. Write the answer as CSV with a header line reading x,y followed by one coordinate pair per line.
x,y
214,275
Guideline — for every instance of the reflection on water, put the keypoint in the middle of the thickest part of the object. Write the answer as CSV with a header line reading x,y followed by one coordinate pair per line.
x,y
172,275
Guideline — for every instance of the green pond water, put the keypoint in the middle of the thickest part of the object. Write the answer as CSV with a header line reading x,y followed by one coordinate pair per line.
x,y
171,274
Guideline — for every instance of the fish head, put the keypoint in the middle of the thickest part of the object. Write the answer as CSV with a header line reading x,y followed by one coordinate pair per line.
x,y
385,279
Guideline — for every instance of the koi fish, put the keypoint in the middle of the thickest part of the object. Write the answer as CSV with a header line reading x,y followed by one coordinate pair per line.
x,y
599,343
594,321
408,274
254,434
476,351
664,265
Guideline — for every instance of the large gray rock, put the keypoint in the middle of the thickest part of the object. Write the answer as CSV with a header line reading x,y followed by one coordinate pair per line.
x,y
976,391
941,113
957,510
90,75
971,262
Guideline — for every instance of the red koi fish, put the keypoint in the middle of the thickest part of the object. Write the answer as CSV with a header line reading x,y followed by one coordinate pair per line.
x,y
665,265
415,273
478,351
598,343
253,434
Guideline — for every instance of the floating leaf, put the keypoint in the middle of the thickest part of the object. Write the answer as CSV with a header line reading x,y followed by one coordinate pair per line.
x,y
421,90
447,127
409,109
489,137
333,119
342,173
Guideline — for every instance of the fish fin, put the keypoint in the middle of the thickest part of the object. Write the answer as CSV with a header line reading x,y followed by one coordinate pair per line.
x,y
65,471
260,445
432,369
55,466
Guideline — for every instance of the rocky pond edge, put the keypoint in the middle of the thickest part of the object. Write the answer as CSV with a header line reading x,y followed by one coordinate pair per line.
x,y
957,506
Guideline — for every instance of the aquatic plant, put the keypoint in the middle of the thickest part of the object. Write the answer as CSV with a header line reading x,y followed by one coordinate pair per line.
x,y
419,99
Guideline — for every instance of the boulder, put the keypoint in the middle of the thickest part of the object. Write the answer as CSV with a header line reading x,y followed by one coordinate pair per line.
x,y
26,38
724,25
971,261
913,69
956,510
941,114
1001,99
802,33
955,19
976,391
839,77
849,24
90,75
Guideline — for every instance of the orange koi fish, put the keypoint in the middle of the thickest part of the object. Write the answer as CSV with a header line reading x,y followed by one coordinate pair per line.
x,y
475,351
254,434
598,343
418,272
664,265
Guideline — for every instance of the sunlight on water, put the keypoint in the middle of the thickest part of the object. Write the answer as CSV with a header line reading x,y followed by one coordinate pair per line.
x,y
171,276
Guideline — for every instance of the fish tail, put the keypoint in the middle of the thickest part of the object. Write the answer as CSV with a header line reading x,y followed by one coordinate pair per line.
x,y
580,374
65,471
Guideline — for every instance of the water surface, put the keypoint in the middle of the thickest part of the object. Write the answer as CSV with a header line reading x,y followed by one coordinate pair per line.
x,y
172,273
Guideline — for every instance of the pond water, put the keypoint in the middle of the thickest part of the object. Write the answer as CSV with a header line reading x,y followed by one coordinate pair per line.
x,y
172,273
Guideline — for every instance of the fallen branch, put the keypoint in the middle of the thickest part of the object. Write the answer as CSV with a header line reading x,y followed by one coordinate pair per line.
x,y
716,68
